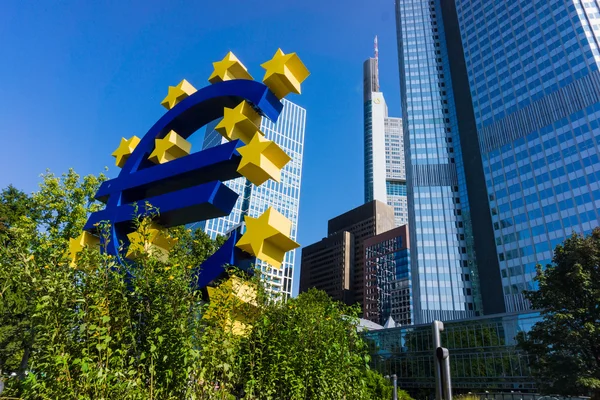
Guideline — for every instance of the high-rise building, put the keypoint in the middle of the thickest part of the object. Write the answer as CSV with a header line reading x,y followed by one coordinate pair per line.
x,y
328,265
284,196
385,178
362,222
449,220
388,280
501,112
343,251
534,80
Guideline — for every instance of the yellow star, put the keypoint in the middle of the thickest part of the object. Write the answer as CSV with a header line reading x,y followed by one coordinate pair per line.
x,y
241,122
125,149
268,237
262,159
152,240
178,93
284,74
77,245
227,69
169,148
239,300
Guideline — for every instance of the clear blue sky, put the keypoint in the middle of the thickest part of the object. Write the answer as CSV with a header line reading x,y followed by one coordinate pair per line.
x,y
76,76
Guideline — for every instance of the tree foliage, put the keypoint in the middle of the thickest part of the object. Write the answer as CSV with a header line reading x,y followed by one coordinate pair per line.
x,y
565,345
98,329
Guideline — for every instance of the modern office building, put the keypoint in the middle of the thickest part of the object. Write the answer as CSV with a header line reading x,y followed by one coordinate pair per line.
x,y
385,177
534,80
387,277
453,262
515,86
284,196
355,225
328,265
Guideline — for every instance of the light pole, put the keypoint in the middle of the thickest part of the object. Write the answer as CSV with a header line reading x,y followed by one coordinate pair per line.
x,y
441,357
395,383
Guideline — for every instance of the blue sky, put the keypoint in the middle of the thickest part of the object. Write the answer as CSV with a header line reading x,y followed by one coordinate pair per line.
x,y
76,76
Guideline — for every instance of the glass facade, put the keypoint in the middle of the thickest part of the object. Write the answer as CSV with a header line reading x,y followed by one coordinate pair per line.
x,y
388,283
284,196
443,263
535,85
483,354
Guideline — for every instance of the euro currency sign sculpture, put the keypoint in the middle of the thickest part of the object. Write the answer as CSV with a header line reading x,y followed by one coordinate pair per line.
x,y
189,187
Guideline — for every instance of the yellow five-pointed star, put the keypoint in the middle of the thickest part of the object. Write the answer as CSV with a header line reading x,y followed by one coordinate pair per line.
x,y
262,159
228,68
125,149
267,237
169,148
76,245
242,307
284,73
241,122
152,240
178,93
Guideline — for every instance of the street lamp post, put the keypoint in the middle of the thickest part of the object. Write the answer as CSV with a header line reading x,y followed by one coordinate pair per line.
x,y
441,357
395,385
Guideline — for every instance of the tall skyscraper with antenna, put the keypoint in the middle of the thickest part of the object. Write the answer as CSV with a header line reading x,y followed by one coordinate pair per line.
x,y
385,177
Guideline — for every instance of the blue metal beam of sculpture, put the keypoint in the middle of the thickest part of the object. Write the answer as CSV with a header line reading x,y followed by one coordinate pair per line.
x,y
187,188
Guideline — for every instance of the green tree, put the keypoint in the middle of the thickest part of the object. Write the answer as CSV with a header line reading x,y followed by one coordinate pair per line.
x,y
565,345
13,205
34,232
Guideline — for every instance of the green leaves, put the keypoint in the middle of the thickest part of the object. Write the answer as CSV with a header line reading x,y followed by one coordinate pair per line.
x,y
103,330
564,347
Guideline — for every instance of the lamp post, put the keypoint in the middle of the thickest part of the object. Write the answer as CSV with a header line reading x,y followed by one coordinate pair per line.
x,y
441,357
395,384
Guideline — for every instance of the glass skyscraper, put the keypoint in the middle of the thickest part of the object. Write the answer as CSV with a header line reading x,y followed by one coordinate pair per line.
x,y
509,92
535,87
288,133
385,176
443,258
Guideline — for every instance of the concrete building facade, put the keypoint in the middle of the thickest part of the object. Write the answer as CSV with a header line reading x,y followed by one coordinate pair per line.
x,y
328,265
356,225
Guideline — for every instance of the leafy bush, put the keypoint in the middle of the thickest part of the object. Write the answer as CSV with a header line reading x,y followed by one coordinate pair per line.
x,y
98,329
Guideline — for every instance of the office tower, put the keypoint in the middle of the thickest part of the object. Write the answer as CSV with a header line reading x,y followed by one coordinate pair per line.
x,y
522,82
385,178
443,221
328,266
346,232
362,222
387,277
284,196
533,76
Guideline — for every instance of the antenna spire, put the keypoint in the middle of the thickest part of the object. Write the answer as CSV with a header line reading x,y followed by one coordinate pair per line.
x,y
376,74
376,48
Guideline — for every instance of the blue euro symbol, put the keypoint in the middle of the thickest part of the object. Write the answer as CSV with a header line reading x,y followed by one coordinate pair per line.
x,y
188,189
